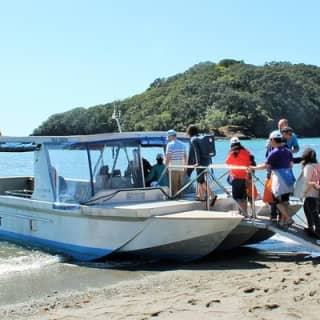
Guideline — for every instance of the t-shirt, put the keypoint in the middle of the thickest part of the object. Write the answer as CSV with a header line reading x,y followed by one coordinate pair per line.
x,y
293,142
176,150
279,158
242,159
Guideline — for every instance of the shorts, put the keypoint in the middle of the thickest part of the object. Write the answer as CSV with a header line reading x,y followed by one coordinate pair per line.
x,y
201,179
239,189
283,198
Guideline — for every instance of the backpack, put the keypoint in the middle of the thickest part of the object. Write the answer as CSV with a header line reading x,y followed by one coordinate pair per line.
x,y
207,146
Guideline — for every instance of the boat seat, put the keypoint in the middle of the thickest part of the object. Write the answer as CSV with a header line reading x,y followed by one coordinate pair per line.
x,y
117,182
102,178
116,173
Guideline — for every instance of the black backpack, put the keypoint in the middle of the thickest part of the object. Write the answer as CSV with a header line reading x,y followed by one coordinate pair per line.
x,y
207,146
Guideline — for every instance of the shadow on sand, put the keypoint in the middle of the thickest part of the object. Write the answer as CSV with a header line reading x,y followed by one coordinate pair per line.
x,y
243,258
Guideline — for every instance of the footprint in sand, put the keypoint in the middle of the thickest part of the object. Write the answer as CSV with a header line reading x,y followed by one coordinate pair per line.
x,y
249,290
269,307
312,293
193,302
296,282
210,303
155,314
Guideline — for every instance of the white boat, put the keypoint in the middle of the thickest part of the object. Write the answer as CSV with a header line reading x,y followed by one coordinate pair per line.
x,y
88,199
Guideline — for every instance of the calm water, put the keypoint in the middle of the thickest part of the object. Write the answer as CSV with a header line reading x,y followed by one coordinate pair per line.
x,y
26,273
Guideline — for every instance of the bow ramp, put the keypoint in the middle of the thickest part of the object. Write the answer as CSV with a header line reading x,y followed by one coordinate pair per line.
x,y
296,233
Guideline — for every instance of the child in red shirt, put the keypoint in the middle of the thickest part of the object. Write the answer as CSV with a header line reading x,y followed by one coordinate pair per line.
x,y
239,156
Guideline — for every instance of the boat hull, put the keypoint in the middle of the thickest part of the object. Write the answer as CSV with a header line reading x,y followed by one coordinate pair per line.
x,y
247,232
89,233
185,236
70,232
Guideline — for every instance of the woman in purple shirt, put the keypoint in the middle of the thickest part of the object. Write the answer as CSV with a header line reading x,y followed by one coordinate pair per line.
x,y
280,162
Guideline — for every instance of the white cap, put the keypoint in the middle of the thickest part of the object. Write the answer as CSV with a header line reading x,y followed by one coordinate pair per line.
x,y
234,140
171,133
275,135
159,156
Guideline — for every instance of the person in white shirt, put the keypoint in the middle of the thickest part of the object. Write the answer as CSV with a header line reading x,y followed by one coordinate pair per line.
x,y
307,188
175,156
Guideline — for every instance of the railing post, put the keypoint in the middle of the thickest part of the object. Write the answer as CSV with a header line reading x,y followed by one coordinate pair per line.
x,y
208,186
253,208
170,182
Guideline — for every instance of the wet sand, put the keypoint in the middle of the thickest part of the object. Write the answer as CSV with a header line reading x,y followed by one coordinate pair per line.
x,y
242,285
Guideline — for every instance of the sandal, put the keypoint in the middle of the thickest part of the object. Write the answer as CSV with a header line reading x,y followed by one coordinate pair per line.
x,y
197,198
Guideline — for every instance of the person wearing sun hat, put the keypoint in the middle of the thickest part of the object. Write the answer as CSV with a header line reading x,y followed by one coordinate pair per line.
x,y
280,162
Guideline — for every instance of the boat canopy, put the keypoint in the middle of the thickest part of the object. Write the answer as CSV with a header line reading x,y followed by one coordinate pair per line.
x,y
143,138
77,168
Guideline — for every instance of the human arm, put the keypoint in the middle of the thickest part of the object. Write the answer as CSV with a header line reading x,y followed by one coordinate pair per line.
x,y
168,155
295,145
261,166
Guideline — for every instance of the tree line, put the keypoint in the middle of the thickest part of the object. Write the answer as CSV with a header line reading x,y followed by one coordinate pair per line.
x,y
229,96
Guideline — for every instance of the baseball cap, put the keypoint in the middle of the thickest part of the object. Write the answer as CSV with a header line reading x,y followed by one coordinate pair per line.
x,y
159,156
275,135
171,133
234,140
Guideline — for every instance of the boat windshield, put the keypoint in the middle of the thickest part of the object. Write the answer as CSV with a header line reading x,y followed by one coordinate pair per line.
x,y
78,172
116,165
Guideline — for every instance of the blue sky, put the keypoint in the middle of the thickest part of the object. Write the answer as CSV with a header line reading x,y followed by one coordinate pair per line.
x,y
58,55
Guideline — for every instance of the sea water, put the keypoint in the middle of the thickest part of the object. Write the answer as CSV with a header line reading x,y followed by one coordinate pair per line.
x,y
26,272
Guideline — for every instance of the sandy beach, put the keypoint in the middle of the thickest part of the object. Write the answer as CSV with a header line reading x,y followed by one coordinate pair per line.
x,y
246,285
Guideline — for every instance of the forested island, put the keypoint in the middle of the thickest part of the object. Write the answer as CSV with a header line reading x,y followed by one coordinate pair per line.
x,y
226,97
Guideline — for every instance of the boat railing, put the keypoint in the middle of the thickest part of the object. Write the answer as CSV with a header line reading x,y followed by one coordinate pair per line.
x,y
211,179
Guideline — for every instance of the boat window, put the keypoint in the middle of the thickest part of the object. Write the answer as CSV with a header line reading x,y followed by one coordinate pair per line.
x,y
149,156
70,174
116,165
16,164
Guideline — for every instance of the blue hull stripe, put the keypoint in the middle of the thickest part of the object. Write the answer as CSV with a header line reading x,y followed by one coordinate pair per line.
x,y
77,252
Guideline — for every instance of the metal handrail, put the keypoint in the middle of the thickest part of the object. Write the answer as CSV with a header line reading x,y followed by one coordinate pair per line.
x,y
209,173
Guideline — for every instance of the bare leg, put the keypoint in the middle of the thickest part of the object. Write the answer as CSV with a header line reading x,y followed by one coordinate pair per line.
x,y
201,191
244,206
283,207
